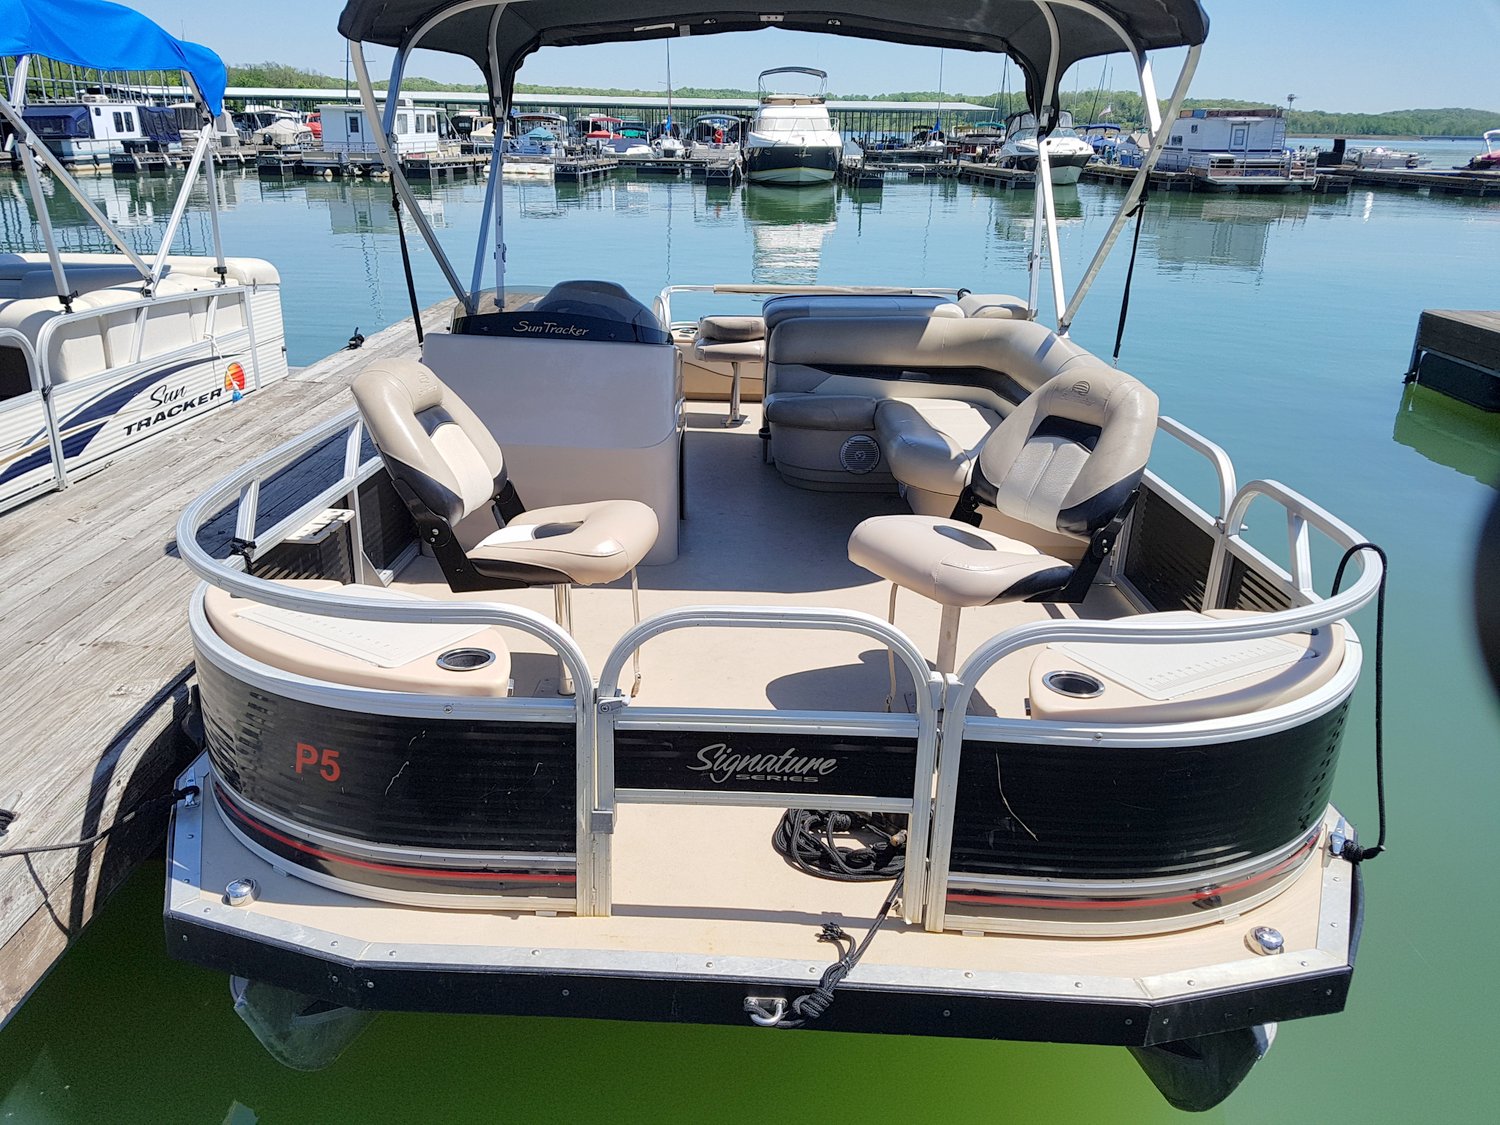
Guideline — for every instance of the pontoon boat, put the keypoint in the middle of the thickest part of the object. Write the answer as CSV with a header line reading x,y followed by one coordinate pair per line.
x,y
99,352
1056,741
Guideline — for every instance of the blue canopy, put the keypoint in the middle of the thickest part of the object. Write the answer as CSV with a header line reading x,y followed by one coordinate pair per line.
x,y
104,36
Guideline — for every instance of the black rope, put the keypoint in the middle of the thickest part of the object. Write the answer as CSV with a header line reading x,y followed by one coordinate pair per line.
x,y
145,806
1135,244
1352,851
411,285
810,1005
806,838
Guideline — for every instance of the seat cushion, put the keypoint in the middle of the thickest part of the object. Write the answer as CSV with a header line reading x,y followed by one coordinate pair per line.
x,y
804,411
589,543
730,351
930,442
793,306
732,329
953,563
993,306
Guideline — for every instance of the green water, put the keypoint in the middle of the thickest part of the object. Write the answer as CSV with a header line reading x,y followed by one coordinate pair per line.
x,y
1278,326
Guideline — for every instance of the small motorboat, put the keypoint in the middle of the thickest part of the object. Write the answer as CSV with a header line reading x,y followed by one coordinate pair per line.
x,y
1489,159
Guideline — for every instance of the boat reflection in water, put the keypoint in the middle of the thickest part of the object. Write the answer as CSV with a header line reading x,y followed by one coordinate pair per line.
x,y
788,226
1232,233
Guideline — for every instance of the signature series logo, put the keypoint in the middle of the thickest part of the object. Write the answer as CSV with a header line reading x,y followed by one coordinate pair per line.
x,y
720,763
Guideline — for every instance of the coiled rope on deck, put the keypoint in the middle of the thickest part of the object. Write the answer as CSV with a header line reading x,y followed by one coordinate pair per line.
x,y
806,837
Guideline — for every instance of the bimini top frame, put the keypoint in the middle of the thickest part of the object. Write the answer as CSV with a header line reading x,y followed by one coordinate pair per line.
x,y
1043,37
104,36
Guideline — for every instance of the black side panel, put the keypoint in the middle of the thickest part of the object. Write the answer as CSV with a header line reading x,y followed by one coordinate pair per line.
x,y
409,782
1248,590
1168,556
802,766
329,558
386,524
1127,812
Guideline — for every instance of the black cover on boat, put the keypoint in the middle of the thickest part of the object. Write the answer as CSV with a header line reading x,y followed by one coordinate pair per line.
x,y
1014,27
1136,812
1198,1074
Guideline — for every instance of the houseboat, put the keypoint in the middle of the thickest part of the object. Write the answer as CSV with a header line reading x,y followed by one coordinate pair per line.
x,y
791,139
1236,150
950,712
413,128
97,127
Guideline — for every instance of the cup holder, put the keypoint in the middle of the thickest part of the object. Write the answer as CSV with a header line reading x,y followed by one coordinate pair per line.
x,y
465,659
1077,685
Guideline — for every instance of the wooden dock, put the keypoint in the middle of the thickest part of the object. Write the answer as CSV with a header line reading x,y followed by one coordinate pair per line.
x,y
992,175
95,655
585,169
1457,353
1434,181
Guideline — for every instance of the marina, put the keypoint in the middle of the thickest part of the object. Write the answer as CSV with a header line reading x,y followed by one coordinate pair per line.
x,y
731,257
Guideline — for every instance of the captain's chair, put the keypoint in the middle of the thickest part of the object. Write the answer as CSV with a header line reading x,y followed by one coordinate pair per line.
x,y
445,464
1068,458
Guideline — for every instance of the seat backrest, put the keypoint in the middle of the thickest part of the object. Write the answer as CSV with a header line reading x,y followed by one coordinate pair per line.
x,y
996,362
1069,456
428,438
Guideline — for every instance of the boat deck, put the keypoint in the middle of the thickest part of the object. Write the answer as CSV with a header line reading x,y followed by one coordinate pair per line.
x,y
751,539
92,617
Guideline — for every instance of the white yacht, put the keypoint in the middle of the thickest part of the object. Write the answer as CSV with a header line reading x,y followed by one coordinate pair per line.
x,y
950,712
1067,152
791,139
100,352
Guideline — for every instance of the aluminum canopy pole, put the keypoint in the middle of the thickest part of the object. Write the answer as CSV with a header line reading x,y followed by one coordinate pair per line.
x,y
398,178
210,177
1044,212
481,243
34,185
179,207
1138,184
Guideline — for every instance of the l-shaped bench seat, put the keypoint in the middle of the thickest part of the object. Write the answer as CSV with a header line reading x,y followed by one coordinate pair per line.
x,y
881,403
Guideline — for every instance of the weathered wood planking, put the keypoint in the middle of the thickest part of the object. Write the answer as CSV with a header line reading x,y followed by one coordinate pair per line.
x,y
94,653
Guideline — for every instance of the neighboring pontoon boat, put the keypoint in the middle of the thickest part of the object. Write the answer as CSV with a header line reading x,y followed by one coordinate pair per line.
x,y
1101,739
99,352
791,139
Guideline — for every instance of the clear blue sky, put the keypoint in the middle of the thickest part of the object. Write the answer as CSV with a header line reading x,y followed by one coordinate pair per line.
x,y
1338,55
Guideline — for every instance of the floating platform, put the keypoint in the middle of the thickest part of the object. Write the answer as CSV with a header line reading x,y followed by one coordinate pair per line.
x,y
1457,353
92,594
574,170
1438,182
992,175
856,175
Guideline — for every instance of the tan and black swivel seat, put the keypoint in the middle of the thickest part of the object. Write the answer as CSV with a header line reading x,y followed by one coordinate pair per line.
x,y
445,464
1069,458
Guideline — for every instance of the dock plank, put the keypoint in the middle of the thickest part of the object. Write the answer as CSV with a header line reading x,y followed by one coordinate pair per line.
x,y
94,647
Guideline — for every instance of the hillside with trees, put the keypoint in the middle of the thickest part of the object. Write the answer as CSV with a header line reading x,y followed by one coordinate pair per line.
x,y
1122,106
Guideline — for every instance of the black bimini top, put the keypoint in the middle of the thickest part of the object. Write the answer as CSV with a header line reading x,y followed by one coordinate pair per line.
x,y
504,32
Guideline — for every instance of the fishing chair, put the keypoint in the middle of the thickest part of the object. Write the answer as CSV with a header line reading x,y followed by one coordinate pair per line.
x,y
1069,457
445,465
